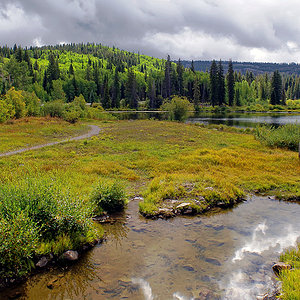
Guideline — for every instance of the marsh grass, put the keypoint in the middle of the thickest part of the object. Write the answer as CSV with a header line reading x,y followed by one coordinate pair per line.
x,y
287,136
38,216
291,279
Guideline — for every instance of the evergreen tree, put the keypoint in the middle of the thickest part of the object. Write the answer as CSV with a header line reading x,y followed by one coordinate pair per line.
x,y
116,90
180,71
19,54
197,94
167,79
96,76
192,67
221,84
214,83
106,98
131,90
151,93
71,69
230,84
276,88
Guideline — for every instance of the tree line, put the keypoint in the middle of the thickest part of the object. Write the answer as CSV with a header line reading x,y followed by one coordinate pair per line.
x,y
121,79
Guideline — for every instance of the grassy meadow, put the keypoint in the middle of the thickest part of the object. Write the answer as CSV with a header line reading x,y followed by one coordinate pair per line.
x,y
158,160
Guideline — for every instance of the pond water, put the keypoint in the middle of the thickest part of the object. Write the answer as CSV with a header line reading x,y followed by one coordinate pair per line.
x,y
225,255
229,119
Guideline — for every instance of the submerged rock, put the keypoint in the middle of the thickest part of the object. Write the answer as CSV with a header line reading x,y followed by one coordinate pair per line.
x,y
70,255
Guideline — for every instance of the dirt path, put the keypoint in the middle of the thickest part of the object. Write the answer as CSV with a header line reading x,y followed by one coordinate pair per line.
x,y
93,131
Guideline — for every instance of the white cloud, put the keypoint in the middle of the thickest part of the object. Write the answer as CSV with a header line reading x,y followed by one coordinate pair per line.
x,y
264,30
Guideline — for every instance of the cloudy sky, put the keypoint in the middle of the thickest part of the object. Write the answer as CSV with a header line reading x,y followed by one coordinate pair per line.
x,y
257,30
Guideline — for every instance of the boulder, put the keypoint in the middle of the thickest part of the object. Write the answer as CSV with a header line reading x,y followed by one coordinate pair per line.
x,y
70,255
278,267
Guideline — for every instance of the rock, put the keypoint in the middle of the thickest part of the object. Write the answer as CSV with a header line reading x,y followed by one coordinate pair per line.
x,y
166,212
42,262
70,255
137,198
102,219
183,206
278,267
188,211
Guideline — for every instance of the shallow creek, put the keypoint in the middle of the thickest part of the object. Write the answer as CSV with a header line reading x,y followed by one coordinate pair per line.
x,y
225,255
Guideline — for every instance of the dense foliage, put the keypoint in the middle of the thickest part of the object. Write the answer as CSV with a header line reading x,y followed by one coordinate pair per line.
x,y
123,80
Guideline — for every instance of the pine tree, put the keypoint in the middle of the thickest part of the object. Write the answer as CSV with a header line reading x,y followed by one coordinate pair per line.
x,y
180,77
230,84
71,69
214,86
115,101
19,54
106,98
276,88
131,91
221,84
192,67
197,94
167,79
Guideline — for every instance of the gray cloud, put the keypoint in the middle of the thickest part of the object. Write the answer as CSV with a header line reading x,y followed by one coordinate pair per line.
x,y
258,30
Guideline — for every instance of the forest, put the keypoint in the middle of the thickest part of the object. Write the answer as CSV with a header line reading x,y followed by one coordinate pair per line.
x,y
46,80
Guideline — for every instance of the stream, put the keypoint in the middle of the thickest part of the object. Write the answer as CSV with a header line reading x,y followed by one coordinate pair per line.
x,y
223,255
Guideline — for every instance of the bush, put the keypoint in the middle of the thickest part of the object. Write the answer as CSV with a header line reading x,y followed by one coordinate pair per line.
x,y
287,136
71,116
54,109
108,196
178,108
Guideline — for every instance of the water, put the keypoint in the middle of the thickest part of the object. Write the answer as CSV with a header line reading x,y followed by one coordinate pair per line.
x,y
229,119
247,119
226,255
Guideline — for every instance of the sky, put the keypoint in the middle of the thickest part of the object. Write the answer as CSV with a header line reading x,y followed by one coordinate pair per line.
x,y
257,30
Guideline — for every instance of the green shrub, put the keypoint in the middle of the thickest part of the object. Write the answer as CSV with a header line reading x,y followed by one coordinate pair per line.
x,y
71,116
109,196
178,109
53,109
287,136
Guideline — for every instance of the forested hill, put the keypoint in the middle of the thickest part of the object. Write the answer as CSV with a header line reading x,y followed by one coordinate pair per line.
x,y
254,67
35,78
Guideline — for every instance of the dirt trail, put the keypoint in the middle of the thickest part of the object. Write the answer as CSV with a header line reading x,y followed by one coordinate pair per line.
x,y
94,131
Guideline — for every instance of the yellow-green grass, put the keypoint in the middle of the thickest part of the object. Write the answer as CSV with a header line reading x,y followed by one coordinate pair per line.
x,y
291,278
28,132
137,152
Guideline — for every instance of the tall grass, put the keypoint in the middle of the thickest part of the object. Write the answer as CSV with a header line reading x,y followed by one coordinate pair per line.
x,y
287,136
36,211
291,279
